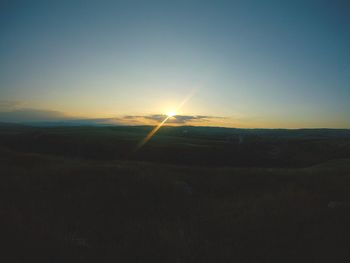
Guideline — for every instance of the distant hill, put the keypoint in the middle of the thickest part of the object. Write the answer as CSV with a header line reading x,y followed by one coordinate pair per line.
x,y
185,145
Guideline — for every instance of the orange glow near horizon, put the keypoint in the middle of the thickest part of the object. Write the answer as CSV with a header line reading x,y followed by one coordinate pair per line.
x,y
169,114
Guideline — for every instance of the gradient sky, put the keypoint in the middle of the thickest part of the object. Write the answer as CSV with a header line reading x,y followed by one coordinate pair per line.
x,y
282,64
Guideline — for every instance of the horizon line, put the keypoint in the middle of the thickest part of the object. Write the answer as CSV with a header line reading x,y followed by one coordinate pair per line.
x,y
52,123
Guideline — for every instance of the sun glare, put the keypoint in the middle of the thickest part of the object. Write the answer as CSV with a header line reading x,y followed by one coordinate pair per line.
x,y
171,114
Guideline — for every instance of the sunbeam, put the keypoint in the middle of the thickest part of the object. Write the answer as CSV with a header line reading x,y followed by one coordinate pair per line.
x,y
168,116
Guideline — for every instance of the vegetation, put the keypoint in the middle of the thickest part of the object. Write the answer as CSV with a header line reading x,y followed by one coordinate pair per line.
x,y
73,195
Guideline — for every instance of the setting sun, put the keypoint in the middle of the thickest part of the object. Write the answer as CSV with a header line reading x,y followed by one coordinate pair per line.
x,y
171,114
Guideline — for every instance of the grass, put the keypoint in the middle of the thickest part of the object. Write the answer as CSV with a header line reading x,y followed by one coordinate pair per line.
x,y
133,211
57,205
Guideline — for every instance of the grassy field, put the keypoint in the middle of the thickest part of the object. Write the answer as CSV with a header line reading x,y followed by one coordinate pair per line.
x,y
60,204
183,145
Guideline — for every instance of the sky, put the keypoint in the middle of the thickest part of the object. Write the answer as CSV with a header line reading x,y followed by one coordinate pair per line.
x,y
265,64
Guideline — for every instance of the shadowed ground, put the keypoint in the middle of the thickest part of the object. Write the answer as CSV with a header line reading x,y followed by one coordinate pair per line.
x,y
56,206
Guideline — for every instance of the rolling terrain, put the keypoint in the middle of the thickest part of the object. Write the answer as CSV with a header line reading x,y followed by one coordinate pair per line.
x,y
82,194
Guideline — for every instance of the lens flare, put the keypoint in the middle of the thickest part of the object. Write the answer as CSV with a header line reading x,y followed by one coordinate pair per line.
x,y
168,116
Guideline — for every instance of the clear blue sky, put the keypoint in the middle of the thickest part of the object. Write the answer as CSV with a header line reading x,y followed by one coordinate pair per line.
x,y
252,63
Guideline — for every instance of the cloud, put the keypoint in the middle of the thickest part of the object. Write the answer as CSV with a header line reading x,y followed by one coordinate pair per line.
x,y
29,115
8,105
177,119
13,111
10,111
190,118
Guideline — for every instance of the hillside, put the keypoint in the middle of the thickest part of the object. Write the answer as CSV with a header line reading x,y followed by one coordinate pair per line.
x,y
183,145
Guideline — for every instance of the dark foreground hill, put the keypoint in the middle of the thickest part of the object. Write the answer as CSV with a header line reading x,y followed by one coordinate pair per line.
x,y
59,204
183,145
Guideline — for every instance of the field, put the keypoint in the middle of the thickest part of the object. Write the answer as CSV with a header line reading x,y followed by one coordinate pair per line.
x,y
192,194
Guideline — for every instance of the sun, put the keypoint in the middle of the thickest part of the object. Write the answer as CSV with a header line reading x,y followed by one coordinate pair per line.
x,y
171,113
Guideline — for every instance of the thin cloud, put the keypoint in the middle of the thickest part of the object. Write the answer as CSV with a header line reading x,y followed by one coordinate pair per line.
x,y
9,105
177,119
28,115
10,111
